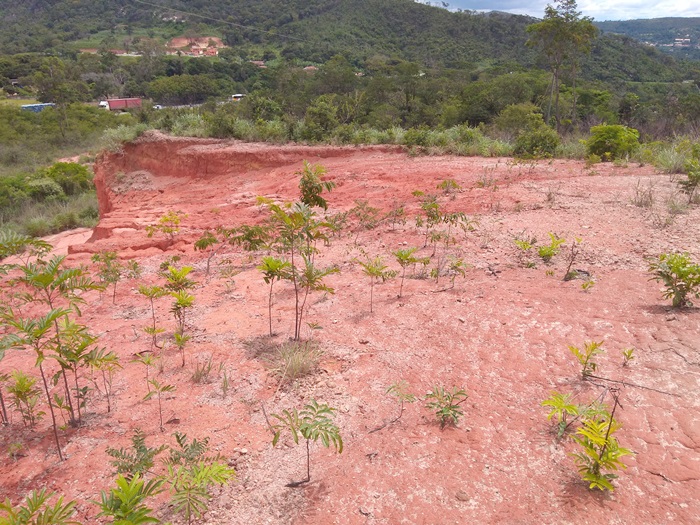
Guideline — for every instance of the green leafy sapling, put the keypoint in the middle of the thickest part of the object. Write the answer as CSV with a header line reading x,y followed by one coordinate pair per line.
x,y
37,510
191,486
191,473
183,301
37,335
585,357
456,267
24,397
446,404
313,422
152,293
563,410
367,217
375,269
106,363
125,504
525,244
109,270
273,269
177,279
405,258
138,460
147,359
449,187
600,450
181,341
311,185
168,225
158,391
4,378
548,251
690,184
395,216
208,242
680,275
311,279
403,395
627,356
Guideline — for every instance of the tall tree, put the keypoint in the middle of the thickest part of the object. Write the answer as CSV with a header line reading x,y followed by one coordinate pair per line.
x,y
562,36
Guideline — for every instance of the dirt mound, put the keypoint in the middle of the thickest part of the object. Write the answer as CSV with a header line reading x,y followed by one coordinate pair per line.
x,y
501,333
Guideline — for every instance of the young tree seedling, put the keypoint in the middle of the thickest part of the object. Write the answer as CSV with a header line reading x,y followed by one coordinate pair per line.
x,y
375,269
313,422
158,391
585,357
273,269
446,404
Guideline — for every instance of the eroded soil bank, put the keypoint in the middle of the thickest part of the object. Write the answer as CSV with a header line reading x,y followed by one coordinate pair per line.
x,y
501,334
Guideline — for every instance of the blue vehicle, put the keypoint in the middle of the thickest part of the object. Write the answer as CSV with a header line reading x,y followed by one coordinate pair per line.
x,y
37,108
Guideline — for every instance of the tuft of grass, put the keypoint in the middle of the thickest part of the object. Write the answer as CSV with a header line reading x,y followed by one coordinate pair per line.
x,y
643,197
202,372
114,138
293,360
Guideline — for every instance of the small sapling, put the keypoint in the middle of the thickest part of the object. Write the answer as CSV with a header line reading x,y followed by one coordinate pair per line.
x,y
627,356
446,404
585,357
313,422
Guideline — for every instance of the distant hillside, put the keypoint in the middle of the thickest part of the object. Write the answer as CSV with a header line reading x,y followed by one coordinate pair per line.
x,y
315,30
679,36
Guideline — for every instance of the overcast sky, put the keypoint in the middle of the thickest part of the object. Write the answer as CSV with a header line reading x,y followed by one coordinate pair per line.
x,y
611,10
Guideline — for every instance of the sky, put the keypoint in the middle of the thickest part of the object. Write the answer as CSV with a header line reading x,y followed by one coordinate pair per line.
x,y
600,11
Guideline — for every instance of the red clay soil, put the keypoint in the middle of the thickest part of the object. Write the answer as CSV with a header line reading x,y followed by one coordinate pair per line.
x,y
501,334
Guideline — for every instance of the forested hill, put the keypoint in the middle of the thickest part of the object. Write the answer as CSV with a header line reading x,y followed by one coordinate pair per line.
x,y
314,31
678,36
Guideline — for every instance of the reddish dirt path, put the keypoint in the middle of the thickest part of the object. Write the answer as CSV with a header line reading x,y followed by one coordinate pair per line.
x,y
501,333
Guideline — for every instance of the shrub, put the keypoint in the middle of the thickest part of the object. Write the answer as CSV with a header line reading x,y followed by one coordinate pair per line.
x,y
611,142
38,227
680,276
514,119
68,220
44,189
72,177
538,140
190,125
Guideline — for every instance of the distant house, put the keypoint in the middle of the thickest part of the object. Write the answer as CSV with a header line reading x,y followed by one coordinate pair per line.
x,y
259,63
310,68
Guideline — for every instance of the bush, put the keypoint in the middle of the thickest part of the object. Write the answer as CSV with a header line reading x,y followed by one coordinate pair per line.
x,y
71,176
415,137
190,125
45,189
612,142
680,276
68,220
37,227
538,140
515,119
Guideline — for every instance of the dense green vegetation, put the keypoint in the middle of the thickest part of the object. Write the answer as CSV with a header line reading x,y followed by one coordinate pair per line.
x,y
390,71
660,32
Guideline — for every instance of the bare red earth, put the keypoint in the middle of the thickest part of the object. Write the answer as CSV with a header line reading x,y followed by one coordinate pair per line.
x,y
501,333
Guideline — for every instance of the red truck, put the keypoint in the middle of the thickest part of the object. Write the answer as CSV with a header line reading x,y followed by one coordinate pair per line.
x,y
118,104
